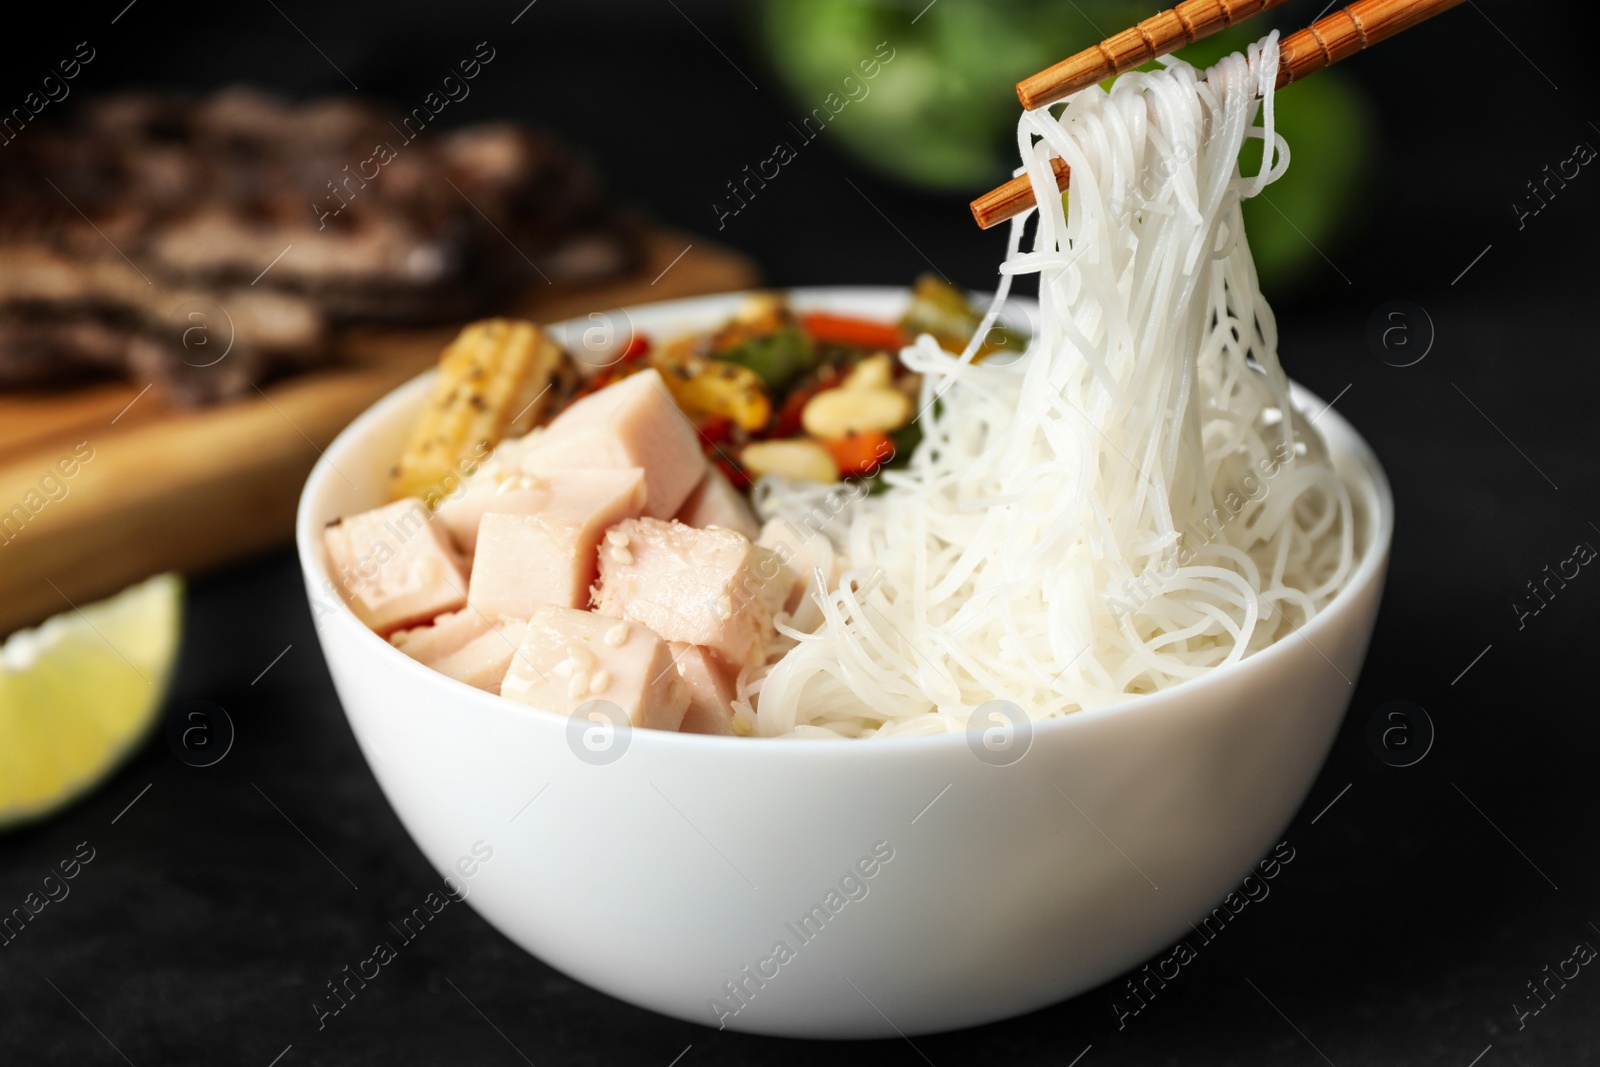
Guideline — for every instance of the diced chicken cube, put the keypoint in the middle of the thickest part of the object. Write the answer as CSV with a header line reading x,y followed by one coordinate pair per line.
x,y
491,484
482,662
701,587
803,552
630,423
569,658
433,641
548,557
572,495
395,566
525,561
711,690
466,645
715,502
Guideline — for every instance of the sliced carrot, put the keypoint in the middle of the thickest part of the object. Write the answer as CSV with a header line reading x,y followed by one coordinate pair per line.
x,y
861,453
858,333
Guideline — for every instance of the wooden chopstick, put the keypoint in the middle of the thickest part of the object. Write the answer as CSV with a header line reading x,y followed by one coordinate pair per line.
x,y
1014,197
1325,42
1155,36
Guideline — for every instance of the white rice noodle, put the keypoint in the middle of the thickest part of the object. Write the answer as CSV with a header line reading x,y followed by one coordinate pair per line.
x,y
1132,503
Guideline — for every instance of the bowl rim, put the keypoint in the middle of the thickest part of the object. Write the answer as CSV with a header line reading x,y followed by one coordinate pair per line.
x,y
308,543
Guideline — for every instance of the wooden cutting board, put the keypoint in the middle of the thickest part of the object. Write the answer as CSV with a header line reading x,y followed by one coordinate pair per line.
x,y
168,489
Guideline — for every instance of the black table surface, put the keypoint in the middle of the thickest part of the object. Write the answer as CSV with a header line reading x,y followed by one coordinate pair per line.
x,y
1423,899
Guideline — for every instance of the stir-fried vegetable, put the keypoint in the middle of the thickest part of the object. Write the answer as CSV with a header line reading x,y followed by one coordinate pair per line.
x,y
717,387
814,395
861,454
940,309
779,357
857,333
794,457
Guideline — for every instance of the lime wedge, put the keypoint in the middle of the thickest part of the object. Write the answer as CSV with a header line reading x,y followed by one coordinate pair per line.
x,y
80,691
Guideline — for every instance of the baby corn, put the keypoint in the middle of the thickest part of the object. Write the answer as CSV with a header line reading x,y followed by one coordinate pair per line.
x,y
494,381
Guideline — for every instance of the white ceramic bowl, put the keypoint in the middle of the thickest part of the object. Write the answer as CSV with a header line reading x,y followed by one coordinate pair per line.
x,y
661,876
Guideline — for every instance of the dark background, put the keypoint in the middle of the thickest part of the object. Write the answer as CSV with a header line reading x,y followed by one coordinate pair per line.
x,y
1418,905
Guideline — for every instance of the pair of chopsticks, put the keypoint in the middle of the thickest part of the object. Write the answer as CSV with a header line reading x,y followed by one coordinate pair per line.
x,y
1325,42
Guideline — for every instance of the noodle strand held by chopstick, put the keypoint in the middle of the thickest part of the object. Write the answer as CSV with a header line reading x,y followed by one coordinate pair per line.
x,y
1132,503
